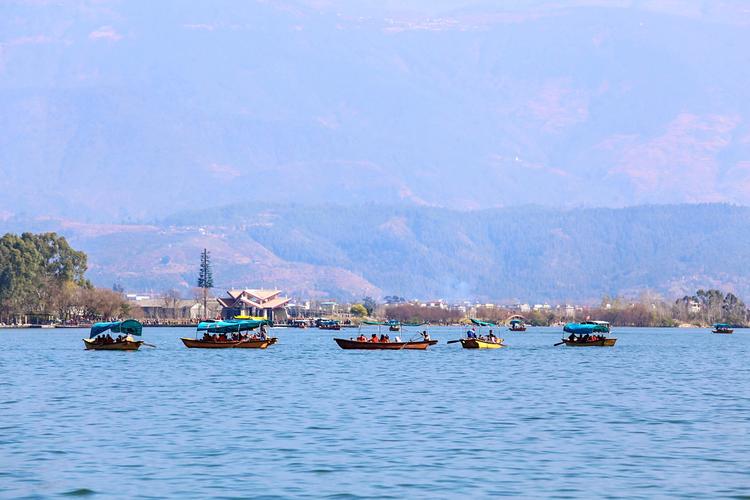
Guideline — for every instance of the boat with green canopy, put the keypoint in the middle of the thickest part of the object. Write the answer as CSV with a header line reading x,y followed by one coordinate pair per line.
x,y
230,334
100,340
723,328
474,340
479,322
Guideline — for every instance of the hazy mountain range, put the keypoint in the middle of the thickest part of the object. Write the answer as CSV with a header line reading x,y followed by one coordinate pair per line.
x,y
508,254
124,110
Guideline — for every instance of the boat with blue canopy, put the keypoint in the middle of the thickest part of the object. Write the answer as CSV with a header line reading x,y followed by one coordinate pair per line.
x,y
101,340
587,334
724,328
230,333
516,325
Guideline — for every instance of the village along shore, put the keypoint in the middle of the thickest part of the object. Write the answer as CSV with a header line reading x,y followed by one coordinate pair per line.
x,y
43,285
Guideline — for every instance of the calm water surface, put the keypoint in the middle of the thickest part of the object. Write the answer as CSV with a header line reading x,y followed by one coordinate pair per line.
x,y
664,413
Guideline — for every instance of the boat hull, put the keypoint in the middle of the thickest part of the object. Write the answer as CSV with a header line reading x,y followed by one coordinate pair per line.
x,y
723,332
594,343
228,344
481,344
127,345
517,329
256,343
384,346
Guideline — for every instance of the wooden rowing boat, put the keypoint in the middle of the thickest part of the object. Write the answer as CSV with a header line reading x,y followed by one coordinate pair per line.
x,y
125,345
591,343
228,344
379,346
723,331
481,344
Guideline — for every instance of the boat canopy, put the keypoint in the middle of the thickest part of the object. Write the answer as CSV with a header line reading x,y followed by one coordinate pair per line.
x,y
256,318
129,326
231,325
515,321
415,324
722,325
479,322
375,323
584,328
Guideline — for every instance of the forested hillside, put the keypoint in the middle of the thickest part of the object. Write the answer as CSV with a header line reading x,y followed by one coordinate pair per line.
x,y
524,253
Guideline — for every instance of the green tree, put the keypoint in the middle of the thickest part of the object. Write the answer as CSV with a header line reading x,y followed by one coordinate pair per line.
x,y
205,278
358,310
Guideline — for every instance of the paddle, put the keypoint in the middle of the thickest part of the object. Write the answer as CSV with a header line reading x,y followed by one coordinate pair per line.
x,y
454,341
559,343
149,345
408,341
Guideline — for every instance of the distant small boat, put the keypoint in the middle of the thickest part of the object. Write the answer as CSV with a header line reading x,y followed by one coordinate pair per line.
x,y
129,327
481,344
395,327
517,325
329,325
723,328
391,346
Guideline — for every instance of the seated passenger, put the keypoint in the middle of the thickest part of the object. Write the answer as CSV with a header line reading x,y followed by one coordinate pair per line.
x,y
374,338
425,335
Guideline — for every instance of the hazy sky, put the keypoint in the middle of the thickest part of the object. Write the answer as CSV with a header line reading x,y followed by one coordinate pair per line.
x,y
115,110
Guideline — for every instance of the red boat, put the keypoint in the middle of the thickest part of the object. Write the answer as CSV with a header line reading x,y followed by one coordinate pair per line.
x,y
392,346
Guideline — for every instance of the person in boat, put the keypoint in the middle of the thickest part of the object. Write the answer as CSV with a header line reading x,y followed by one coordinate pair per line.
x,y
382,337
572,337
262,334
471,334
374,338
425,335
397,339
206,337
361,338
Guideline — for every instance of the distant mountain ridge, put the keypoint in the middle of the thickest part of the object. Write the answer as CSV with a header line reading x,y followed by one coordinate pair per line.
x,y
511,254
119,110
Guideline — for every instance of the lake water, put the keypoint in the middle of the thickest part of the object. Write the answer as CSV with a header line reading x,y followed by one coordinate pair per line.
x,y
663,413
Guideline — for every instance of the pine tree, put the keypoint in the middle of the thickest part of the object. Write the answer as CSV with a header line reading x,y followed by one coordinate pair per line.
x,y
205,279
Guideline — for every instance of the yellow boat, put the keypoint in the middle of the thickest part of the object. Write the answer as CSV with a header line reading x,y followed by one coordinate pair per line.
x,y
481,344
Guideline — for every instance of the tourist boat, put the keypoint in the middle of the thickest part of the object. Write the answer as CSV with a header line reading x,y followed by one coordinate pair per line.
x,y
329,324
591,343
516,325
592,328
394,326
481,344
214,331
129,327
380,346
722,328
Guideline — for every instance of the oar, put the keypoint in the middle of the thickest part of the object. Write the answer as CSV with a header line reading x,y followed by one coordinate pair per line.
x,y
454,341
408,341
149,345
559,343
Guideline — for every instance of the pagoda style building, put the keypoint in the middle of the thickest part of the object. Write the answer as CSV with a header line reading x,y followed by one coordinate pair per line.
x,y
251,302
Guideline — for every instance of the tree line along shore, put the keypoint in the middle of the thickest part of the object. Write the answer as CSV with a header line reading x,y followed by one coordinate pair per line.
x,y
42,282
